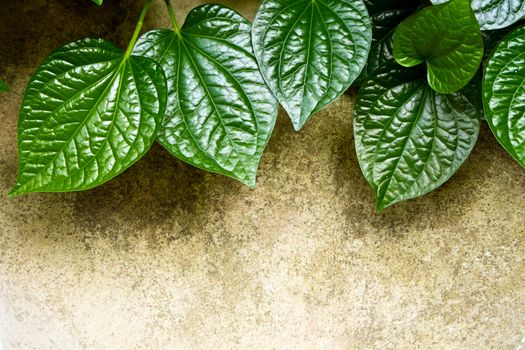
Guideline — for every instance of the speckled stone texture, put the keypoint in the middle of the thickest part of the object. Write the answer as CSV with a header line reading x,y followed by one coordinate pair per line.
x,y
169,257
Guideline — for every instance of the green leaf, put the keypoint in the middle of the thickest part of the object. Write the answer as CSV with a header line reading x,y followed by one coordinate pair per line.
x,y
220,114
495,14
504,93
310,51
410,139
4,87
447,38
88,113
98,2
386,16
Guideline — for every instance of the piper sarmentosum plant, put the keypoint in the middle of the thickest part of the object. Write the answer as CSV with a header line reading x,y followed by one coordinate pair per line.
x,y
209,91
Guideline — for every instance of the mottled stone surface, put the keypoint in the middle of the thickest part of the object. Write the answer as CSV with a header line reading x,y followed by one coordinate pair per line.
x,y
169,257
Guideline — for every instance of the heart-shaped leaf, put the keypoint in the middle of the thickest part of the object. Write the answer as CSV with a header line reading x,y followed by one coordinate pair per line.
x,y
88,113
410,139
446,37
310,51
3,86
504,93
386,16
221,113
495,14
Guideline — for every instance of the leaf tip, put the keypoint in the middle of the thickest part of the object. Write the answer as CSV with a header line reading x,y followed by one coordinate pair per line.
x,y
381,204
16,191
298,119
298,125
251,183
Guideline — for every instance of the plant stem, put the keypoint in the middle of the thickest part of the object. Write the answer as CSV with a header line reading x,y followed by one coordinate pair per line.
x,y
172,17
138,28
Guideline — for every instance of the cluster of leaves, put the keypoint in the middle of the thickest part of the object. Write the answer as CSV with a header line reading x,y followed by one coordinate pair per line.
x,y
209,91
415,125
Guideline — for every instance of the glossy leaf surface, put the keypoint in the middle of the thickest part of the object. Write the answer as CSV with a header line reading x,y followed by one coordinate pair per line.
x,y
495,14
220,114
504,93
3,86
88,113
410,139
310,51
386,16
447,38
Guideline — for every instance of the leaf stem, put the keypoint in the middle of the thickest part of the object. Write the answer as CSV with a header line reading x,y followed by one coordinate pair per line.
x,y
138,28
172,17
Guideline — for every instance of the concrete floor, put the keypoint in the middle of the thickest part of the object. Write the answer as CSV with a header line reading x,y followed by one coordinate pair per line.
x,y
169,257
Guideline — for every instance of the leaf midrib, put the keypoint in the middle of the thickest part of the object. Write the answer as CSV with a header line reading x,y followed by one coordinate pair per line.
x,y
307,63
281,52
179,51
331,66
418,115
237,82
435,122
201,78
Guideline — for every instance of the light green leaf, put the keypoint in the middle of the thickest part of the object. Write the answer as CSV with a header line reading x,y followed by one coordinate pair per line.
x,y
89,113
220,114
98,2
446,37
495,14
410,139
4,87
504,93
310,51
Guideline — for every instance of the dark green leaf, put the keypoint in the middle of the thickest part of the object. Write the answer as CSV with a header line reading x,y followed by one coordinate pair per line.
x,y
220,114
504,93
310,51
447,38
386,16
89,113
410,139
495,14
3,86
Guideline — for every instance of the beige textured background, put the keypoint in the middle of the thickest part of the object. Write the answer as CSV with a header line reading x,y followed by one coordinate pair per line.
x,y
168,257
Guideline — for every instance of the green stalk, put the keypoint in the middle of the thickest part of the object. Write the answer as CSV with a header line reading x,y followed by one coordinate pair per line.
x,y
138,28
172,17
